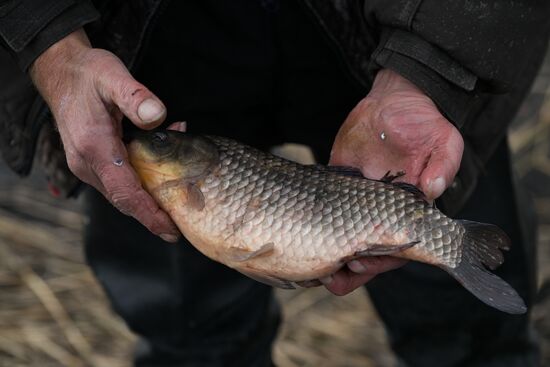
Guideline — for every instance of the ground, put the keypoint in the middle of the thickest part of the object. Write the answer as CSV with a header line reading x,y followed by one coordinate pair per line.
x,y
53,312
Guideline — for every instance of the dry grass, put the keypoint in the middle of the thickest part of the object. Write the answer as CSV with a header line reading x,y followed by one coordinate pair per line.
x,y
53,313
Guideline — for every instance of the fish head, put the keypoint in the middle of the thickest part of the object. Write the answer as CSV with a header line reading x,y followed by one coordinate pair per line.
x,y
165,156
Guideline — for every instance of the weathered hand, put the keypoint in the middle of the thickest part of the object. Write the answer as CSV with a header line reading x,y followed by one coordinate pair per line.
x,y
88,91
396,127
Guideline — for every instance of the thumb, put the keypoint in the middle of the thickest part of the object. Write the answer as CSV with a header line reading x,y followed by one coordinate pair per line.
x,y
441,169
135,101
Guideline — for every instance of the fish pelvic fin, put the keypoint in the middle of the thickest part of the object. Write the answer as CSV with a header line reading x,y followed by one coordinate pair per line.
x,y
482,245
239,254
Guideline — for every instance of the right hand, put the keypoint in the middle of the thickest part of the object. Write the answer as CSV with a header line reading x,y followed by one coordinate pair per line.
x,y
89,91
417,139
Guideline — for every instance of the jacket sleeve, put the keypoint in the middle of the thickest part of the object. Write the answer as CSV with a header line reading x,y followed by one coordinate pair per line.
x,y
455,49
29,27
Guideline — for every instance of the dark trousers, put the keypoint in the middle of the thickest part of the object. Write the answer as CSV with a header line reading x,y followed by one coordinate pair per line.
x,y
261,72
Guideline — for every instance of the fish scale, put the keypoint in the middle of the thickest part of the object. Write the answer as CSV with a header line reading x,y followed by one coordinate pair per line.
x,y
280,183
280,222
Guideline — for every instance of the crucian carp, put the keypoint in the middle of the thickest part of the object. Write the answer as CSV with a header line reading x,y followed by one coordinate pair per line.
x,y
283,223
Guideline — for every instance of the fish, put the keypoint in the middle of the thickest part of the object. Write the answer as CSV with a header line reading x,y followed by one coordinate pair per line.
x,y
287,224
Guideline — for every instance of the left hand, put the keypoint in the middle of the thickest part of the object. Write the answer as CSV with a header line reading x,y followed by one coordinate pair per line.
x,y
396,127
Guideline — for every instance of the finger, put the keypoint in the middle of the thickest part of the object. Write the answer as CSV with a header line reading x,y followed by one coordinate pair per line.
x,y
128,196
442,167
121,186
344,281
178,126
135,209
81,169
359,272
135,101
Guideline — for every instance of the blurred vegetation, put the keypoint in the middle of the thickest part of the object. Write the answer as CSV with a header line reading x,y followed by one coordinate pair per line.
x,y
53,312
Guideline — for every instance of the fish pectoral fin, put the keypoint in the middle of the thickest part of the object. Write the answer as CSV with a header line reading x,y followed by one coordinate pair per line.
x,y
381,249
267,279
195,198
240,254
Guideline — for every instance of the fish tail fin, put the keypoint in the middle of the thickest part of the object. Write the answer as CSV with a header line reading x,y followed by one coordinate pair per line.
x,y
482,245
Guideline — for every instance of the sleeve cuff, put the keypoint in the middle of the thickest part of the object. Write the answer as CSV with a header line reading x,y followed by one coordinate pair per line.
x,y
446,82
64,21
21,20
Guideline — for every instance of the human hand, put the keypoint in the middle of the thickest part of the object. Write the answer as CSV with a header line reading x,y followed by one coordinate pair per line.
x,y
396,127
89,91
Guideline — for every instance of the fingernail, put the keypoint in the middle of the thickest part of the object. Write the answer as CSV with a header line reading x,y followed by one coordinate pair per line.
x,y
436,187
169,237
150,110
326,280
357,267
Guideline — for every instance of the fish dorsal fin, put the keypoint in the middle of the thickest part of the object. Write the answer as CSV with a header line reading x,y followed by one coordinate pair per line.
x,y
389,177
340,170
240,254
410,188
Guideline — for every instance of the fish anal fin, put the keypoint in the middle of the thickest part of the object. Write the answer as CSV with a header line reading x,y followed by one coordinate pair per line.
x,y
267,279
239,254
195,198
384,249
378,250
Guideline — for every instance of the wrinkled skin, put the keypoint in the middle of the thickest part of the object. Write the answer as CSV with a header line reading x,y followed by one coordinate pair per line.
x,y
418,141
89,90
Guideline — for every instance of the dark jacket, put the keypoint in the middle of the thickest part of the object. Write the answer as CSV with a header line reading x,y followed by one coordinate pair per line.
x,y
475,58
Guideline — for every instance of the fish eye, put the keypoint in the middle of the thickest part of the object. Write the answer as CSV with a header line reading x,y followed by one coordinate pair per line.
x,y
159,139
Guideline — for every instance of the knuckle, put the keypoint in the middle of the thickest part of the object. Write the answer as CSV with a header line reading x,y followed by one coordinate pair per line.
x,y
87,148
76,164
